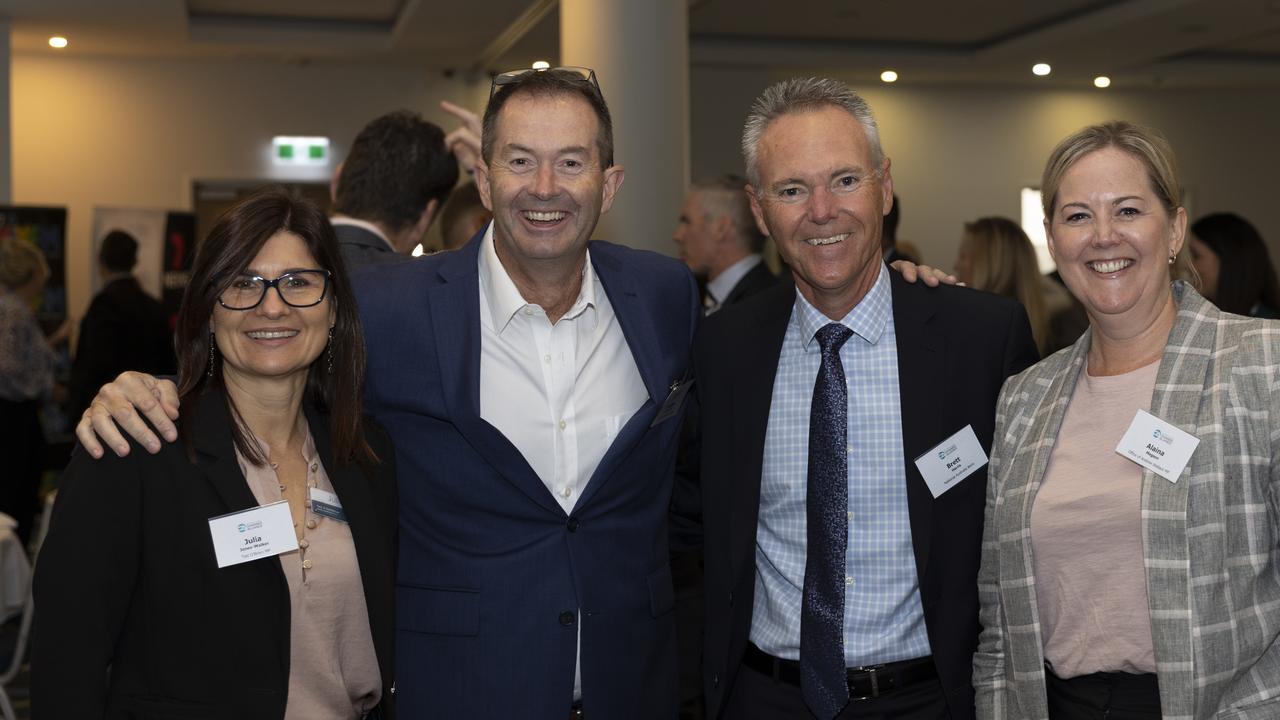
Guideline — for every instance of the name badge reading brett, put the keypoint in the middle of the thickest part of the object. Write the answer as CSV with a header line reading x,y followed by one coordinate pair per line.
x,y
1158,446
951,461
326,504
254,534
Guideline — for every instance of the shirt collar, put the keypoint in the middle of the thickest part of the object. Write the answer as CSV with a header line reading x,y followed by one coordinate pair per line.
x,y
723,284
337,220
867,319
498,292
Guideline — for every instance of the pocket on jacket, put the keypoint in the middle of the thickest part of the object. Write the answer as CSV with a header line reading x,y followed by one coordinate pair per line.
x,y
438,611
1265,710
662,594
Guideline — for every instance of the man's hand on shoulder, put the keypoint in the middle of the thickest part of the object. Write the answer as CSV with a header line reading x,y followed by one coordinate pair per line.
x,y
121,405
930,276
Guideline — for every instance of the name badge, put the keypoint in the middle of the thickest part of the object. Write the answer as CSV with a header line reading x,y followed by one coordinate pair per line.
x,y
951,461
326,504
254,534
672,404
1158,446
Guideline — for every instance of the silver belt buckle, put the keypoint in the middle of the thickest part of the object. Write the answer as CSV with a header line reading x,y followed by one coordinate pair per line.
x,y
873,671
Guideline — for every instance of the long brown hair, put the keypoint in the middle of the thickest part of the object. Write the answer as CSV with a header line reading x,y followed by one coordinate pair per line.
x,y
235,240
1004,262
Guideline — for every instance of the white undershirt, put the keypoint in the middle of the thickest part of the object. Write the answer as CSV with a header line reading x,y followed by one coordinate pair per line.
x,y
560,393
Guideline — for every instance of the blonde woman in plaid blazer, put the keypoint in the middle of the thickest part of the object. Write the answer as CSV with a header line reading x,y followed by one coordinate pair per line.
x,y
1210,542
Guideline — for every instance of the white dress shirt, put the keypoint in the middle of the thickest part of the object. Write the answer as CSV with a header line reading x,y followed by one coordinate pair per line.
x,y
718,289
560,393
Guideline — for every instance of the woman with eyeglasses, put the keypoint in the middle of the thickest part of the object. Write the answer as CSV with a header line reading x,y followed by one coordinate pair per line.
x,y
246,571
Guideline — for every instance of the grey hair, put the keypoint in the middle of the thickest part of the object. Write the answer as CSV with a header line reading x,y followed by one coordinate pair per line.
x,y
726,196
803,95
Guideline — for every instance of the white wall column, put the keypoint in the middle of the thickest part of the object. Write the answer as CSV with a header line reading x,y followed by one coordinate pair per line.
x,y
640,52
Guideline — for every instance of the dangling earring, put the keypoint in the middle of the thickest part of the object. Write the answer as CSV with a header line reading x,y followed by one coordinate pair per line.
x,y
330,353
212,359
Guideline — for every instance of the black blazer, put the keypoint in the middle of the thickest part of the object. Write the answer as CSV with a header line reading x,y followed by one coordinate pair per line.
x,y
359,247
758,279
127,581
956,346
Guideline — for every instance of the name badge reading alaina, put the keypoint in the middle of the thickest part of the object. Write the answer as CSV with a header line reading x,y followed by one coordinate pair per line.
x,y
1158,446
953,460
254,534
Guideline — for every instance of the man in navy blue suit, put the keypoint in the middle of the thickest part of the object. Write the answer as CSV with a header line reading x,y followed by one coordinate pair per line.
x,y
533,384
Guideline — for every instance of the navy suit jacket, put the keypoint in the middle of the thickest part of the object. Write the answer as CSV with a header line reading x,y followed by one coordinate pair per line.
x,y
494,578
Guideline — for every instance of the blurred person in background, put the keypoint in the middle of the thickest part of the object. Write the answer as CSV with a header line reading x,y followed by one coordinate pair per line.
x,y
1235,269
997,256
719,241
463,216
26,376
124,329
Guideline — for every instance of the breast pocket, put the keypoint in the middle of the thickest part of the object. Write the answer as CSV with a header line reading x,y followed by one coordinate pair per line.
x,y
438,611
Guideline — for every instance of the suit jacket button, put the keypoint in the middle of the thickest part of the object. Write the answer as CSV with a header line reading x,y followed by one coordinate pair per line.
x,y
573,524
730,598
566,618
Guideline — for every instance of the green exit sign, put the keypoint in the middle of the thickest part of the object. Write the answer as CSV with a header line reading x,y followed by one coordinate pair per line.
x,y
300,150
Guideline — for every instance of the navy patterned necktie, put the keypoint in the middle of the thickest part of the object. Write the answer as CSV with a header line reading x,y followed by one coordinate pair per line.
x,y
822,672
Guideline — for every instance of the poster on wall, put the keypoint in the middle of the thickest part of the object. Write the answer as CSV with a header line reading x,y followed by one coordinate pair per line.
x,y
46,228
179,249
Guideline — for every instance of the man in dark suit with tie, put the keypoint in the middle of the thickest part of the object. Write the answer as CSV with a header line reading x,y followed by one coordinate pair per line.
x,y
389,188
720,243
533,384
839,582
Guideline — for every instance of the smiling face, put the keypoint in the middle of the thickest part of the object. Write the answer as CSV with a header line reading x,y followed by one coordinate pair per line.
x,y
1112,238
544,183
822,202
273,340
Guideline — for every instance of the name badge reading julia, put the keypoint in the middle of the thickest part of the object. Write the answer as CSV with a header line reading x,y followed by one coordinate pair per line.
x,y
261,532
1157,445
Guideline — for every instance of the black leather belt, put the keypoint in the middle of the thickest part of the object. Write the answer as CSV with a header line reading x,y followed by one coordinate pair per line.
x,y
865,682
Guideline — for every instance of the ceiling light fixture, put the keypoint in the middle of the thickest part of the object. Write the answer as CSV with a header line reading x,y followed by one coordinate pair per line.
x,y
889,76
1102,81
57,41
541,65
1041,69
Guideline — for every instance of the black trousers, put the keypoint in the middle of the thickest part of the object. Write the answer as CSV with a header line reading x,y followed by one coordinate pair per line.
x,y
756,696
1103,696
22,453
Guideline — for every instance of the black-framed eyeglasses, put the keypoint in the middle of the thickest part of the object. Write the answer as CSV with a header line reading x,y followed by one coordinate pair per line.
x,y
300,289
511,76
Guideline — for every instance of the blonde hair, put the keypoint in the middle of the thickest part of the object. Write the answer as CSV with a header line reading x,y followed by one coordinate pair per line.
x,y
19,262
1004,263
1144,144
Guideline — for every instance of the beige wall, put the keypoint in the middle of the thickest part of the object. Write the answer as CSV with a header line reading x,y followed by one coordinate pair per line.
x,y
131,133
961,153
113,132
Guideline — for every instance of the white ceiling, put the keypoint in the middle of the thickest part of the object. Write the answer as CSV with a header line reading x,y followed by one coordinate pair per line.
x,y
1143,43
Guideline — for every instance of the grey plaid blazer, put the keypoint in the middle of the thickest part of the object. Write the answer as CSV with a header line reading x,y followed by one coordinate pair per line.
x,y
1211,541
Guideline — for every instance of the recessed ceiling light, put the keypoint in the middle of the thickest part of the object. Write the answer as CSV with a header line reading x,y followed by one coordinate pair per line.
x,y
57,41
1102,81
1041,69
889,76
541,65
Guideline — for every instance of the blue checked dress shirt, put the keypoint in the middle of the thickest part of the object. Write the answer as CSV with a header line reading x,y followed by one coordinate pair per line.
x,y
883,617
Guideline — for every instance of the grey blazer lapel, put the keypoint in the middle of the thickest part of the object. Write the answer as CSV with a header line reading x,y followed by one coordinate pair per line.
x,y
1179,391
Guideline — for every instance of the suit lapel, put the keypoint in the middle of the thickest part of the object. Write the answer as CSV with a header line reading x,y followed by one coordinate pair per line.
x,y
754,364
455,319
1180,384
922,357
647,349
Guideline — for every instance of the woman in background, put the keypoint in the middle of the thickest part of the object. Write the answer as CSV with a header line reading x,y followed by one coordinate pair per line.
x,y
1226,246
997,256
26,376
135,617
